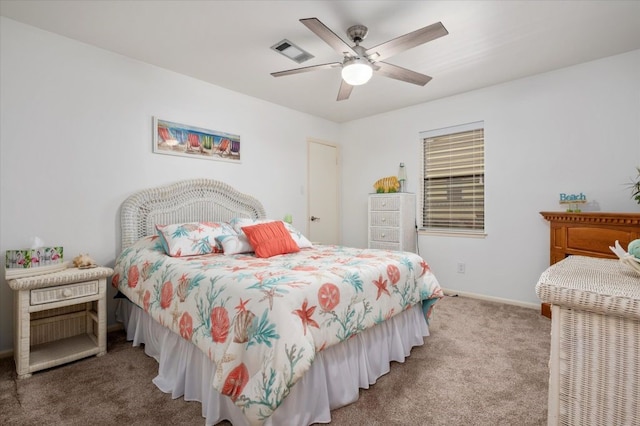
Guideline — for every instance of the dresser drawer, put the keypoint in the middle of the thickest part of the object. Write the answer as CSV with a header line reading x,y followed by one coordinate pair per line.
x,y
71,291
391,235
385,203
384,246
388,219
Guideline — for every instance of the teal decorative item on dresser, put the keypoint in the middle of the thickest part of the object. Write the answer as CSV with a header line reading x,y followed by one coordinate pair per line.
x,y
634,248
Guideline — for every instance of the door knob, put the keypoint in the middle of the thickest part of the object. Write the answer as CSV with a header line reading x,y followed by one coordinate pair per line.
x,y
314,218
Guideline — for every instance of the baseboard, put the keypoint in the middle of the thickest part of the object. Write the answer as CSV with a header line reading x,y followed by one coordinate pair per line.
x,y
449,292
6,354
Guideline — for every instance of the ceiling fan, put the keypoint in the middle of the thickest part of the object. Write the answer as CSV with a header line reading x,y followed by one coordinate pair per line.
x,y
360,63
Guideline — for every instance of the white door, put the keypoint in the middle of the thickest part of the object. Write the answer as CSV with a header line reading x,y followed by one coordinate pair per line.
x,y
323,220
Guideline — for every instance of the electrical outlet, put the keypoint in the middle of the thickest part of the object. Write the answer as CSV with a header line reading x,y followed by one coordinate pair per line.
x,y
461,267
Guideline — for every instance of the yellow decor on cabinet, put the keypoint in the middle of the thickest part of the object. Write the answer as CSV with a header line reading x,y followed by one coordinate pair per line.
x,y
387,184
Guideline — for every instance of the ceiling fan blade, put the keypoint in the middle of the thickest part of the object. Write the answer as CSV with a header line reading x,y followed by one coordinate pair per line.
x,y
402,74
345,91
406,42
307,69
328,36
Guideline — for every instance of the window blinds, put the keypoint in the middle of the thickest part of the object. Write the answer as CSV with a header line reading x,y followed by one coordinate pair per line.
x,y
453,179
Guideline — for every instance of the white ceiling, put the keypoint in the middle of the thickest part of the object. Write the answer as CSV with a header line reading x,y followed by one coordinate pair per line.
x,y
227,43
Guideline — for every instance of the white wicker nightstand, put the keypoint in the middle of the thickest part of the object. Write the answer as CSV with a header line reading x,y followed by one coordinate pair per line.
x,y
59,318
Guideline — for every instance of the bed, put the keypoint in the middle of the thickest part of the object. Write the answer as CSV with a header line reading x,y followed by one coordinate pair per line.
x,y
261,336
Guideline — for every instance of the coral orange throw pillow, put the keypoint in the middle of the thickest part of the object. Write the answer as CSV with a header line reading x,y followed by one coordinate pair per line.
x,y
270,239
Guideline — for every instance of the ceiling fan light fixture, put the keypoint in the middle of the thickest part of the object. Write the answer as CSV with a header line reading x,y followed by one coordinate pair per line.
x,y
356,71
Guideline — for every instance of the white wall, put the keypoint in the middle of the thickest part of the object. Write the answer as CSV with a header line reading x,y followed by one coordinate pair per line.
x,y
571,130
76,140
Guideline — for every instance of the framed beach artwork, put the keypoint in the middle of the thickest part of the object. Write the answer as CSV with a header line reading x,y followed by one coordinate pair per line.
x,y
195,142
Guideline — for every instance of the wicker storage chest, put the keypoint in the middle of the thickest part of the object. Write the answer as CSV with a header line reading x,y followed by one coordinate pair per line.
x,y
392,221
595,341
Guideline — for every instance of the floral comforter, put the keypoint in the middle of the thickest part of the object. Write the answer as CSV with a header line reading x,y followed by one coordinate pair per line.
x,y
261,321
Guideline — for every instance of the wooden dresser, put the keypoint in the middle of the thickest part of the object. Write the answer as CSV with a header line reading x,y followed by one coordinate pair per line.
x,y
588,234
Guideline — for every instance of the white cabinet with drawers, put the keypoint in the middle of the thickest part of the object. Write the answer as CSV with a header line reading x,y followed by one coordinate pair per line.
x,y
392,221
59,317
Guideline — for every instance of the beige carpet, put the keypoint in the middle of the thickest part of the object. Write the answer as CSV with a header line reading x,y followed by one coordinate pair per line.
x,y
485,363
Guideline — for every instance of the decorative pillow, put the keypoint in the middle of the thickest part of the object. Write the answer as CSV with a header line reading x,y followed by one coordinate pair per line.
x,y
188,239
239,222
234,244
270,239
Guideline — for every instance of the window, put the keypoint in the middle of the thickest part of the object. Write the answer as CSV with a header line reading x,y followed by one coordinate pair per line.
x,y
452,185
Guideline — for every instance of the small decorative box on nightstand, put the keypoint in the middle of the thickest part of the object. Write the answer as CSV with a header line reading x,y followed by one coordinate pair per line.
x,y
59,318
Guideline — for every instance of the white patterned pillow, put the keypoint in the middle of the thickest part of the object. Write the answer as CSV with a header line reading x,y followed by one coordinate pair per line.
x,y
238,222
193,238
234,244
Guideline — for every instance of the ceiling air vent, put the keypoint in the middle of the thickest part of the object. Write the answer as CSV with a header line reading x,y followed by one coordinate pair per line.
x,y
292,51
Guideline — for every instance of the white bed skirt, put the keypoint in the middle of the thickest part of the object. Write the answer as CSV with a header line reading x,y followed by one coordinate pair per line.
x,y
333,381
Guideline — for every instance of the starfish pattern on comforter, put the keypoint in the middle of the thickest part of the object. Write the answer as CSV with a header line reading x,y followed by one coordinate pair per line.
x,y
261,321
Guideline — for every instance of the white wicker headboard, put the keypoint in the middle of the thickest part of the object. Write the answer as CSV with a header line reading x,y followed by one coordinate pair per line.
x,y
185,201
